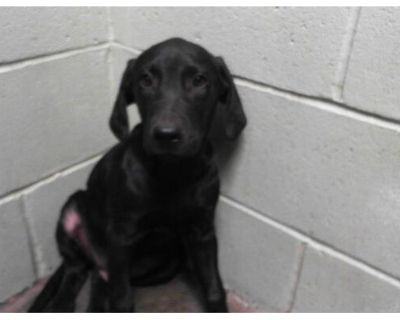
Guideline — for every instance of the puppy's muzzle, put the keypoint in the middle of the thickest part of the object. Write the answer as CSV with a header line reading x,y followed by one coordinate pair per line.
x,y
167,135
166,139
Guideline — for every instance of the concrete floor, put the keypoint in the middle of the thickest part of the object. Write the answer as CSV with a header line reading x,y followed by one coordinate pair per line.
x,y
175,296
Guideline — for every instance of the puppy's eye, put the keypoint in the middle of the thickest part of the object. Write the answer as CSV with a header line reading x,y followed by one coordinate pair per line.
x,y
146,81
199,80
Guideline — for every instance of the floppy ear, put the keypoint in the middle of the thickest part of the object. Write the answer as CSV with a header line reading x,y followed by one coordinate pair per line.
x,y
230,114
119,122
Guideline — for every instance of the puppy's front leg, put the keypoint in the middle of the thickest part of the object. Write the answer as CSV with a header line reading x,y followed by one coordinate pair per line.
x,y
201,246
119,266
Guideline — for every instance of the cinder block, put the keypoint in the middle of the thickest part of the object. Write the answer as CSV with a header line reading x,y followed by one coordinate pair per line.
x,y
256,260
328,284
28,32
43,204
54,114
334,177
16,264
373,77
120,58
293,48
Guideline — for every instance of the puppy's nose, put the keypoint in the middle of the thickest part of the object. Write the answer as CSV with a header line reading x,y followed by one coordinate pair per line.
x,y
167,134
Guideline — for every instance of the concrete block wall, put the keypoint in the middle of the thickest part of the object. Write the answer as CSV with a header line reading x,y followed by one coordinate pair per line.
x,y
308,217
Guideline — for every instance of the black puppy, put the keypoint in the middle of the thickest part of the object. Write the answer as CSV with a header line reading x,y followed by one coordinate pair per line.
x,y
149,204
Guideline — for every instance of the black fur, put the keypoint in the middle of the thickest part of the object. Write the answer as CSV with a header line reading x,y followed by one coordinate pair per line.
x,y
149,203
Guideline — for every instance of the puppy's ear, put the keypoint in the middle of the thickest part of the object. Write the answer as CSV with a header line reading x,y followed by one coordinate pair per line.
x,y
119,122
229,113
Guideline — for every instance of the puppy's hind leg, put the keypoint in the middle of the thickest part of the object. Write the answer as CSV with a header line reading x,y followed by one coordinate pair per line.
x,y
61,290
98,293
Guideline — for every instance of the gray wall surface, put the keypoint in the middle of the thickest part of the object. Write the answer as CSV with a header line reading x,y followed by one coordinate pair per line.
x,y
308,218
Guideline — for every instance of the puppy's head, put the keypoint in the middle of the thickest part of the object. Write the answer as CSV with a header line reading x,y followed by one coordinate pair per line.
x,y
178,87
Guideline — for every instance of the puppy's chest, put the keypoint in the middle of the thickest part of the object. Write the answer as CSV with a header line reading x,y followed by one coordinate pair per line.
x,y
173,201
177,198
172,208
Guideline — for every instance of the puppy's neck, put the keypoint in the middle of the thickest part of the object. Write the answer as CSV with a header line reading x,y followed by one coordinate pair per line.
x,y
184,169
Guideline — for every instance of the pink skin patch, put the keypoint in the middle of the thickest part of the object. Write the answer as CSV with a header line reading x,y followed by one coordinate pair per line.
x,y
73,226
71,221
104,275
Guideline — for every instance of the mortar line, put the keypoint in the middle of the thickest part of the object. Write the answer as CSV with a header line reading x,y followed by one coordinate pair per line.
x,y
315,243
33,249
15,193
110,58
345,55
53,56
111,33
299,271
323,104
124,47
110,70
